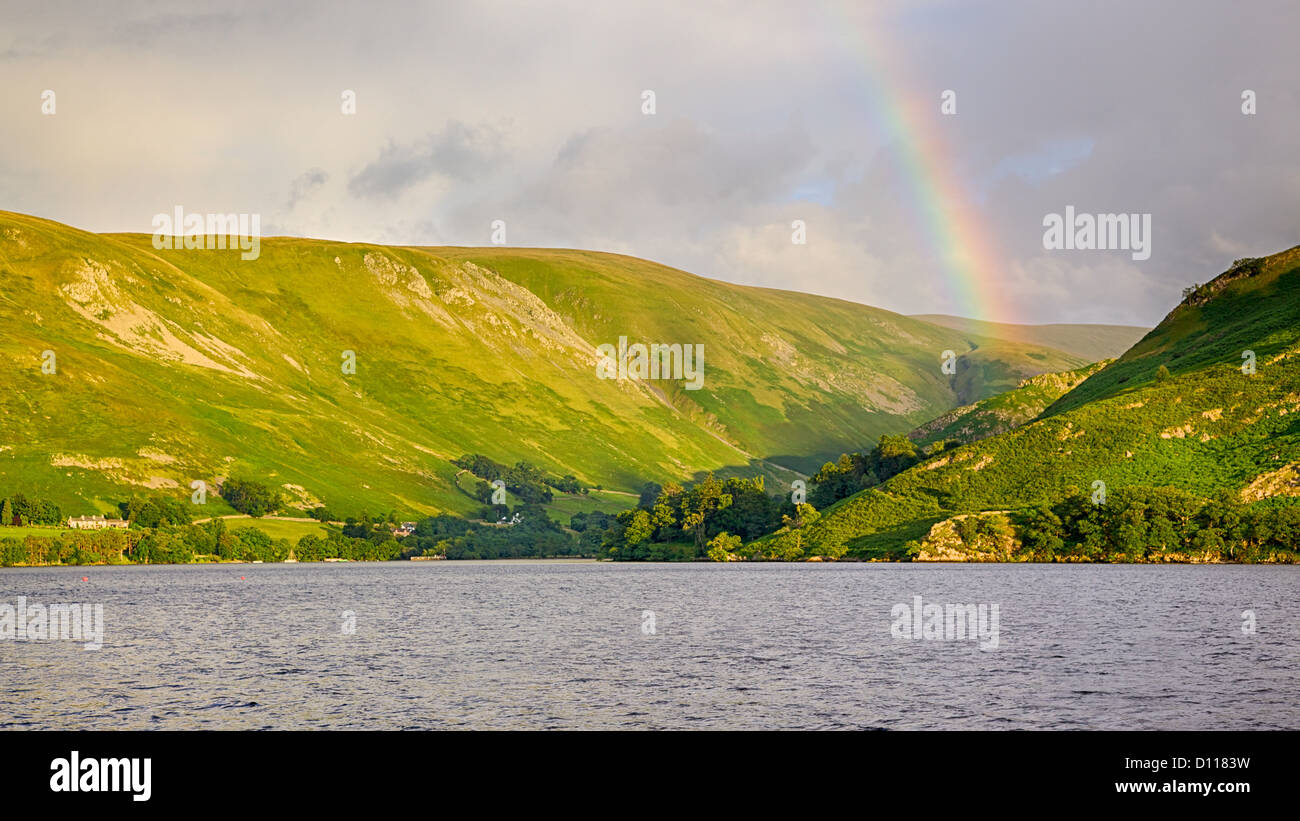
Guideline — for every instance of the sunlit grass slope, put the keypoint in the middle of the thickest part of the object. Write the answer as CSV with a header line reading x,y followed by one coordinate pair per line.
x,y
181,365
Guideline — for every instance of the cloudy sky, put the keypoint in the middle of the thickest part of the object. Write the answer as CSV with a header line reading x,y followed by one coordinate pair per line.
x,y
830,113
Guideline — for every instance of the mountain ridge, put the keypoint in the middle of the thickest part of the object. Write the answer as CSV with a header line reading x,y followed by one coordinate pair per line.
x,y
180,365
1093,342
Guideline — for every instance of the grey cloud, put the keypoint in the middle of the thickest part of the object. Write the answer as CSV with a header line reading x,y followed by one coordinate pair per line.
x,y
459,153
147,31
100,27
764,116
304,184
635,185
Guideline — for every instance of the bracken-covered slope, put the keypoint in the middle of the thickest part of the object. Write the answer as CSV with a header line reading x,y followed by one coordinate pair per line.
x,y
1206,426
1001,413
1250,307
177,365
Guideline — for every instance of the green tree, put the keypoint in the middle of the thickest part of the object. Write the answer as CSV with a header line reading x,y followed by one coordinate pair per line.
x,y
650,491
252,498
893,455
6,514
228,546
751,514
251,543
638,529
1042,532
722,546
789,543
839,480
699,503
664,510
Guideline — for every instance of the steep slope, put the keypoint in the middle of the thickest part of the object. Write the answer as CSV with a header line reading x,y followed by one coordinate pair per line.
x,y
1091,342
1205,427
1250,307
178,365
1001,413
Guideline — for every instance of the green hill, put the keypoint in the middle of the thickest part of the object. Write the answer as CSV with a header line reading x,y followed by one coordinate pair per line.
x,y
1091,342
1250,307
1202,427
180,365
1001,413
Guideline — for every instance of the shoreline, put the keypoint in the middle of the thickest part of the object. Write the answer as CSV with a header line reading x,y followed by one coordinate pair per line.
x,y
578,560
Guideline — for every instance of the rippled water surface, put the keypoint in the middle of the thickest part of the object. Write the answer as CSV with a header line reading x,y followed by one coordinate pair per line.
x,y
540,645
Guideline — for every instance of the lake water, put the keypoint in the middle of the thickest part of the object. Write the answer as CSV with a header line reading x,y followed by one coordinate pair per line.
x,y
566,645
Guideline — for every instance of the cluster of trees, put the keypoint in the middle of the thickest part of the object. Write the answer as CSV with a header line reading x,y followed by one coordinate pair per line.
x,y
673,522
155,511
529,483
338,546
1139,523
143,511
720,520
70,547
790,543
22,510
163,532
533,535
568,483
714,519
591,528
251,498
184,544
1244,267
211,539
366,526
857,471
245,496
163,544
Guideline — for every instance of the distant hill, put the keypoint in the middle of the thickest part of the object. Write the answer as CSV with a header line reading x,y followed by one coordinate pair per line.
x,y
181,365
1091,342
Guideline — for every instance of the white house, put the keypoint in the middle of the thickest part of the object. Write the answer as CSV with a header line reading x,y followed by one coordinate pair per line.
x,y
95,523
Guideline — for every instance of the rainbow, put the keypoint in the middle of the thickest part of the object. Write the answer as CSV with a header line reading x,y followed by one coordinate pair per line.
x,y
970,262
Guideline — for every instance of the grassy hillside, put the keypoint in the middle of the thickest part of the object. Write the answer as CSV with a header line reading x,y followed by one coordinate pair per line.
x,y
1001,413
1250,307
1204,427
182,365
1090,342
564,505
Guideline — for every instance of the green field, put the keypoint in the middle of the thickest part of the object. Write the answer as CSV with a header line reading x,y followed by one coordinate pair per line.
x,y
278,528
25,531
275,528
565,504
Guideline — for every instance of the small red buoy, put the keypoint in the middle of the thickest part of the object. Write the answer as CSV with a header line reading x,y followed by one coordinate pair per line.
x,y
241,578
85,578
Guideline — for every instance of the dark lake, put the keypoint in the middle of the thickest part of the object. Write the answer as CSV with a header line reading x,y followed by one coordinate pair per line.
x,y
567,645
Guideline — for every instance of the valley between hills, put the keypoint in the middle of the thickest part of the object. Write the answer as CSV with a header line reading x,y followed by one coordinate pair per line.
x,y
359,379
